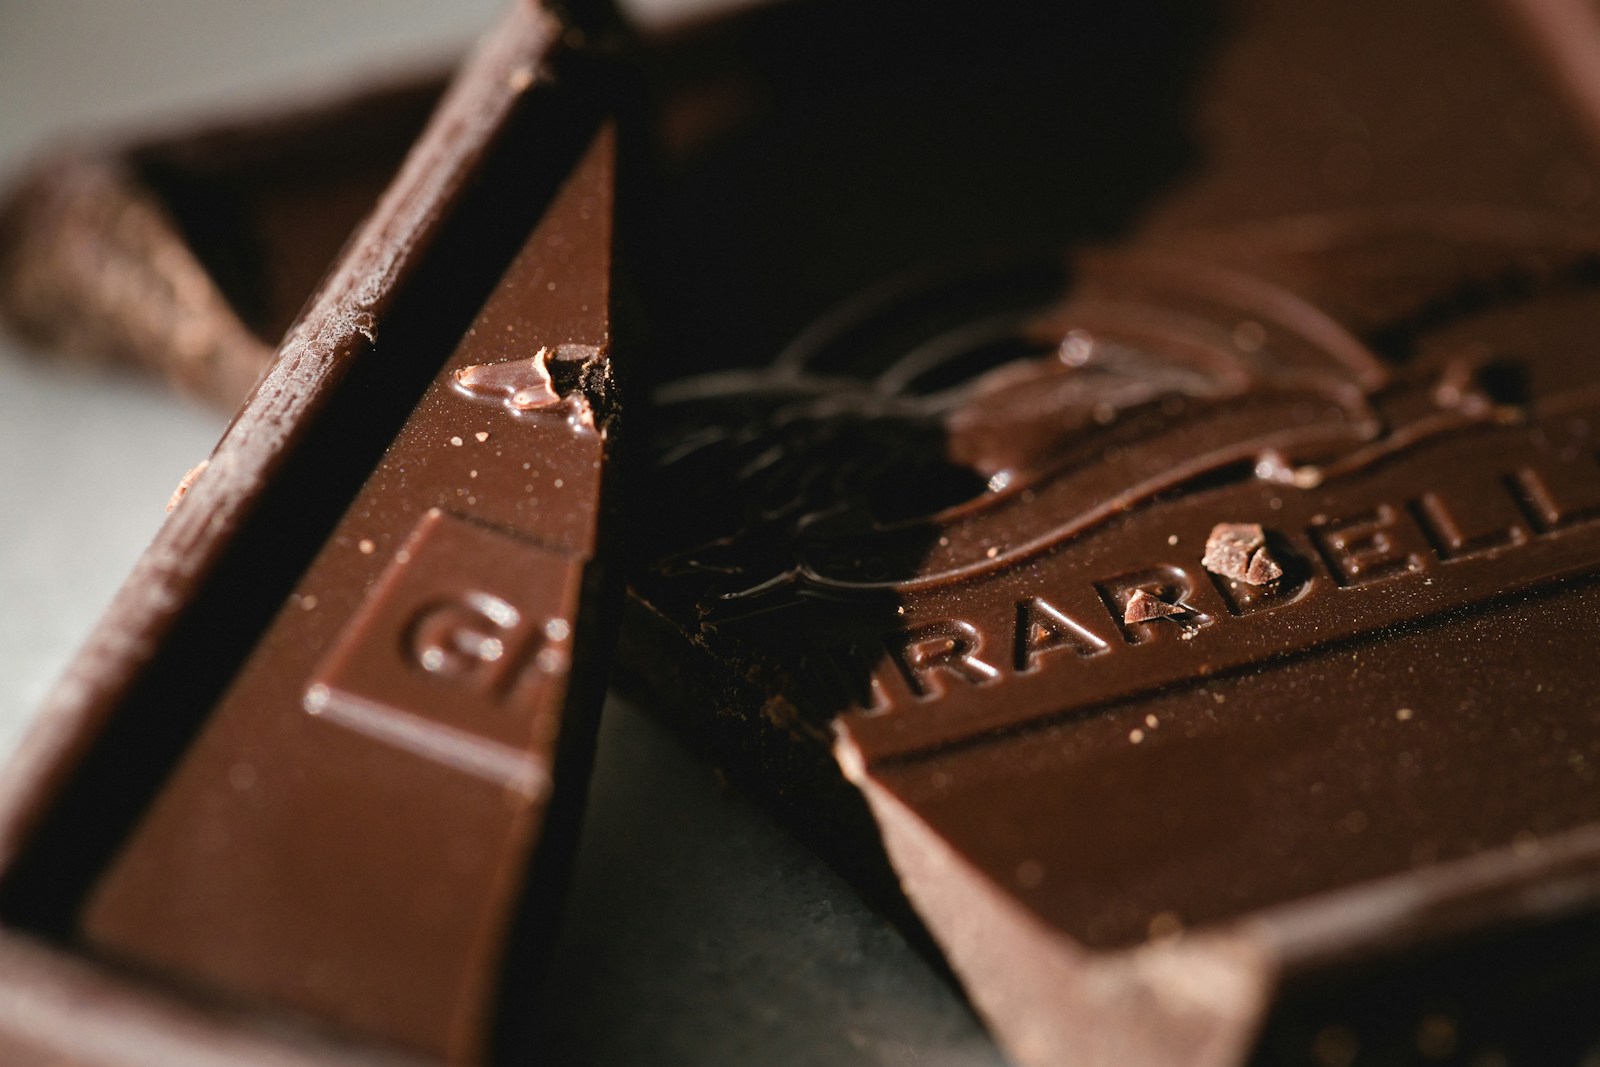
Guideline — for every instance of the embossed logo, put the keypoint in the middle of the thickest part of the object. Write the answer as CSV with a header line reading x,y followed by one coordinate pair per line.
x,y
1058,448
459,654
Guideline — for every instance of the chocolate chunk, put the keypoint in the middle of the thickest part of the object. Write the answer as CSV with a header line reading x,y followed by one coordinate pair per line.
x,y
1238,550
1263,568
317,774
1143,607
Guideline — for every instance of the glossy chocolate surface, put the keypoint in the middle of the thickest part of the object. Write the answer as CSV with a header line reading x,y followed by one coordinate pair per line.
x,y
318,774
962,540
927,549
399,720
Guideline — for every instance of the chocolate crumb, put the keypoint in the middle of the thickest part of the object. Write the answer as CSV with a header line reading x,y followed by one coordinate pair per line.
x,y
185,482
1263,570
1238,550
1143,607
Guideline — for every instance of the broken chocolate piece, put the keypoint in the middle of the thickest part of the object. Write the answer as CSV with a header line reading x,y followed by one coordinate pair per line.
x,y
443,665
1238,550
190,256
1263,569
1143,607
955,518
320,767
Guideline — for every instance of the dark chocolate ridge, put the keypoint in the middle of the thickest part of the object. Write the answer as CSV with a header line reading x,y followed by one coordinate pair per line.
x,y
338,329
451,191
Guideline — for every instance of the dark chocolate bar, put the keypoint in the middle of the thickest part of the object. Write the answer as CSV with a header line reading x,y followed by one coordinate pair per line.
x,y
1202,611
314,781
1190,617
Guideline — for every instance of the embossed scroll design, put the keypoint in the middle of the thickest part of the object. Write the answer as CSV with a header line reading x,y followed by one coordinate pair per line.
x,y
1108,383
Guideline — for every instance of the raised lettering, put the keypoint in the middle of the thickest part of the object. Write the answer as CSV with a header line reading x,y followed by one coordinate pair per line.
x,y
462,639
1450,540
948,647
1363,548
1558,497
1042,627
1170,585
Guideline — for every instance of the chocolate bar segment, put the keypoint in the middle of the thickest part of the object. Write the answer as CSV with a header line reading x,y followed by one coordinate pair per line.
x,y
321,766
407,701
962,561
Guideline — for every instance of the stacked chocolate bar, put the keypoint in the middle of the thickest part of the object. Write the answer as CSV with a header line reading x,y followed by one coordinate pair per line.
x,y
1118,481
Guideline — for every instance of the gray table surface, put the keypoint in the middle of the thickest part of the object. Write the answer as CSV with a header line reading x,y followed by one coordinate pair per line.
x,y
698,931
